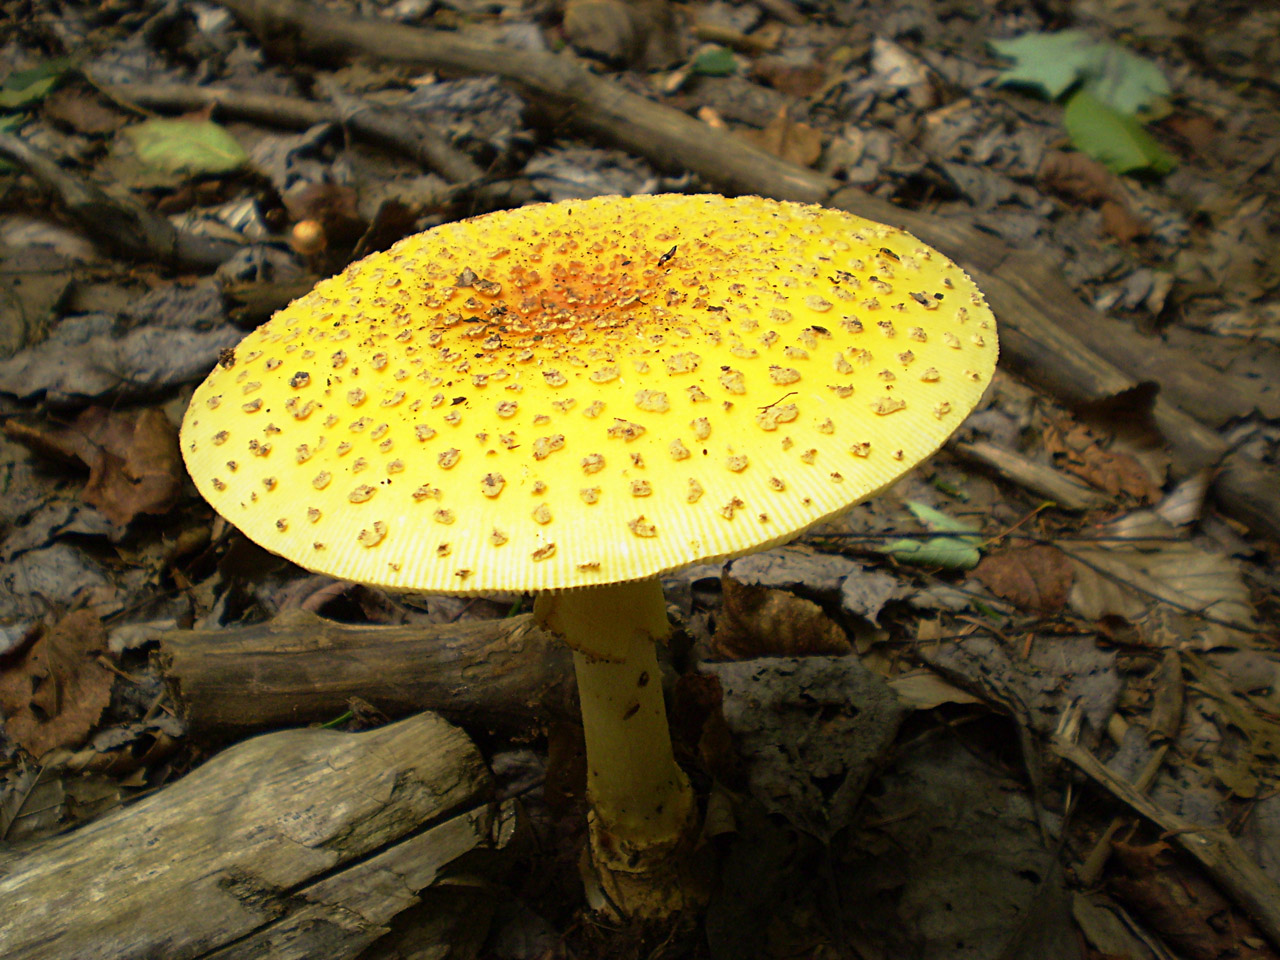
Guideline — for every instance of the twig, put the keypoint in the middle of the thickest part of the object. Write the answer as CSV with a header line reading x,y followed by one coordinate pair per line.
x,y
1217,851
124,227
1166,718
1039,478
785,11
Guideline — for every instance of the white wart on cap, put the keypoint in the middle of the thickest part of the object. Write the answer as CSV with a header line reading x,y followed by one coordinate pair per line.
x,y
589,392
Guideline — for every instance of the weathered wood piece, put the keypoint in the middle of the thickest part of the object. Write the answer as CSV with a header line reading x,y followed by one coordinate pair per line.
x,y
299,668
302,843
1047,333
1040,478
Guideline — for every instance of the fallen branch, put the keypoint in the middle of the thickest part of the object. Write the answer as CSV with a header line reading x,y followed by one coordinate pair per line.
x,y
1216,850
300,668
125,228
304,843
397,129
1047,335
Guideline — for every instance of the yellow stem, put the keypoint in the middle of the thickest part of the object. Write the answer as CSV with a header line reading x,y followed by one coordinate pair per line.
x,y
641,802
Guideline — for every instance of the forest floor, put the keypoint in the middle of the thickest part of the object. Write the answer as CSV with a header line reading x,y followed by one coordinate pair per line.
x,y
1071,610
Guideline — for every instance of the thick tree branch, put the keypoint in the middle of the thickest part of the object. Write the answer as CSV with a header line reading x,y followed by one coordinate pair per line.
x,y
300,668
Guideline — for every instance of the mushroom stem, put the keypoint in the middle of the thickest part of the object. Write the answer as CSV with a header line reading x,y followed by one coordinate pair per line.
x,y
641,805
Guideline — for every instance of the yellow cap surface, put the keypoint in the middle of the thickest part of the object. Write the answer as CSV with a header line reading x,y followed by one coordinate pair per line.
x,y
589,392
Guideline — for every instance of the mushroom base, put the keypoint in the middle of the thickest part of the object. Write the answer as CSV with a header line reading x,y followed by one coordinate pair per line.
x,y
657,881
642,811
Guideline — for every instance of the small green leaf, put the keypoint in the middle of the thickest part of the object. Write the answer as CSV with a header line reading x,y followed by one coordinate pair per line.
x,y
937,520
1054,62
9,124
715,62
1118,141
30,86
1127,82
1050,61
950,553
186,147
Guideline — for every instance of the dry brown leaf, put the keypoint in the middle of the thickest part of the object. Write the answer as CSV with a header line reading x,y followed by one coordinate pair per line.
x,y
1148,565
1195,129
1085,179
1182,907
1077,449
794,142
795,80
759,622
925,690
606,29
133,458
624,33
1078,176
1034,578
1120,222
697,721
84,110
53,695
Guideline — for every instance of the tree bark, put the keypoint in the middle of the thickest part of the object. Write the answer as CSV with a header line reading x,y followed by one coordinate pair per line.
x,y
504,675
303,843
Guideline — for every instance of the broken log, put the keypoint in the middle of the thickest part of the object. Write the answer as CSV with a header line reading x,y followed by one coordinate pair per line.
x,y
302,843
299,668
1048,334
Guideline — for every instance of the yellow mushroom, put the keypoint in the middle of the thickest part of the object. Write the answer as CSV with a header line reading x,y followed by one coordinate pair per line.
x,y
666,346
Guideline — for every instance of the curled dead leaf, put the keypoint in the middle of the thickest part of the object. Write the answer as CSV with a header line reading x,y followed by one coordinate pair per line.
x,y
1078,176
795,142
759,622
1077,449
795,80
609,30
1181,905
1082,178
133,459
1120,222
624,33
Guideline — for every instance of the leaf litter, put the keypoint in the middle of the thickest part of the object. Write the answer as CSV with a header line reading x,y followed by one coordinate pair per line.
x,y
134,464
890,714
54,694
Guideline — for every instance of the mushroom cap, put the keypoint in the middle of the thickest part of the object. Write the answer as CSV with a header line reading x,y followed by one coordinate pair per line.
x,y
590,392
